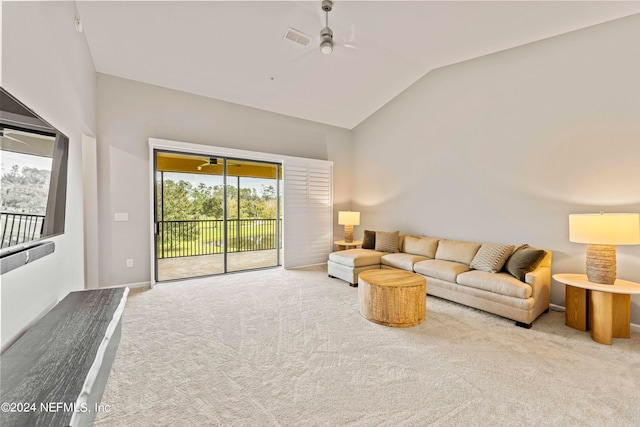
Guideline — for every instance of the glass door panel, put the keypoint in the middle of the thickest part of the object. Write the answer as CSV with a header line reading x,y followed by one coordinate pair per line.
x,y
252,214
189,216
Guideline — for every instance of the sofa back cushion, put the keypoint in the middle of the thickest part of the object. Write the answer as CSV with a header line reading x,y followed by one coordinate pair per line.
x,y
423,246
369,240
401,242
491,257
387,241
456,251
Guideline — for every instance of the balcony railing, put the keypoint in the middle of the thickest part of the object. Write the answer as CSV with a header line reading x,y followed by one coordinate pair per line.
x,y
206,237
20,228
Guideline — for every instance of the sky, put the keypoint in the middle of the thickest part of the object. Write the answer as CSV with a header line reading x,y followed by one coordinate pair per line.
x,y
9,158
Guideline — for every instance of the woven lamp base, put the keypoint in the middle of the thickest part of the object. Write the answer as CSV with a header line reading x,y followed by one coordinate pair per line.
x,y
601,264
348,233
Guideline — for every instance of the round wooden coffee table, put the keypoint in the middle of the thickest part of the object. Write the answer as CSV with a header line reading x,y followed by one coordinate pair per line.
x,y
392,297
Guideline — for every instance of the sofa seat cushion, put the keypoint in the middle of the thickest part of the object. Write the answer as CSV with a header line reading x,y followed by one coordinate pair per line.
x,y
401,260
444,270
356,257
499,283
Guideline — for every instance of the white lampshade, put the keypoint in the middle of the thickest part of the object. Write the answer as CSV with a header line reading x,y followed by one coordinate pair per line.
x,y
605,229
348,218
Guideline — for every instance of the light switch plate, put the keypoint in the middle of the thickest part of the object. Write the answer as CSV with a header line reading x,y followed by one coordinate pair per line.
x,y
122,216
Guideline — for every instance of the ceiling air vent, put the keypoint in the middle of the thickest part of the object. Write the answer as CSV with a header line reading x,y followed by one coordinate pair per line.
x,y
296,36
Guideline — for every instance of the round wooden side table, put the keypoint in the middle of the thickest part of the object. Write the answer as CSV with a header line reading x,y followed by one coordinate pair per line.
x,y
392,297
343,245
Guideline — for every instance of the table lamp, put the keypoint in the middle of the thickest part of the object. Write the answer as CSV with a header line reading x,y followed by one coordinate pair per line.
x,y
602,232
348,219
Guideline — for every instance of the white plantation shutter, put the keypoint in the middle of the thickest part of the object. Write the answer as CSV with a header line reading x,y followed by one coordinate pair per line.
x,y
320,215
308,207
296,220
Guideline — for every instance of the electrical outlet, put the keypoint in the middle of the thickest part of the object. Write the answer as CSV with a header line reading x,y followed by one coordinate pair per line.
x,y
129,263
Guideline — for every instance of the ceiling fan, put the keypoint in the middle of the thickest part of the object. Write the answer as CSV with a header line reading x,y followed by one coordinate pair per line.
x,y
211,162
327,41
214,162
4,133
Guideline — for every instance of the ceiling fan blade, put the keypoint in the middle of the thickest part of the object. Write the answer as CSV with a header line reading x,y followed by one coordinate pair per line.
x,y
348,42
307,55
214,162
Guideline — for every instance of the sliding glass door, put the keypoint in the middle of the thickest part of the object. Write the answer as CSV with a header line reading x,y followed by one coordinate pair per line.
x,y
215,215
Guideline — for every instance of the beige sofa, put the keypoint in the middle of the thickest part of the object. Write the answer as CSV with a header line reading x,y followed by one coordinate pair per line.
x,y
448,266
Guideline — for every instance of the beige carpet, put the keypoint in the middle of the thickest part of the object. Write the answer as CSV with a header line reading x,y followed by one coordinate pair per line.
x,y
289,348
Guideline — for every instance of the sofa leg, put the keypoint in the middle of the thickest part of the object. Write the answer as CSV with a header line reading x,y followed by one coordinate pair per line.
x,y
353,285
331,277
547,310
523,325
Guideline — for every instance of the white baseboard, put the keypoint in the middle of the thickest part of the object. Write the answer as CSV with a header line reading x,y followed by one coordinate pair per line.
x,y
299,267
556,307
634,327
129,285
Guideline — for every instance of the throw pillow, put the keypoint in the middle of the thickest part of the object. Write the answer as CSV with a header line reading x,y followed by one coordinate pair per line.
x,y
523,260
369,240
424,246
387,241
491,257
456,251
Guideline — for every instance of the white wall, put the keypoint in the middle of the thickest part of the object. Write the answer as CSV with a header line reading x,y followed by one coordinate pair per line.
x,y
131,112
47,65
504,147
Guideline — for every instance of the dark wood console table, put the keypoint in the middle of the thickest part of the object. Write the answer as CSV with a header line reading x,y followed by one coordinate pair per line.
x,y
54,375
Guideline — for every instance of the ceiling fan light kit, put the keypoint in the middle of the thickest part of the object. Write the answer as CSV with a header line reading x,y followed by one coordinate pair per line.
x,y
326,34
326,47
326,40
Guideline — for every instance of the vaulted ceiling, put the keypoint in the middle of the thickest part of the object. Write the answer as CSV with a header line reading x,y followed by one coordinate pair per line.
x,y
235,50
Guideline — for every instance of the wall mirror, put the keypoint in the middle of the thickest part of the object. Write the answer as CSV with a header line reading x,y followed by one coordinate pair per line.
x,y
33,158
